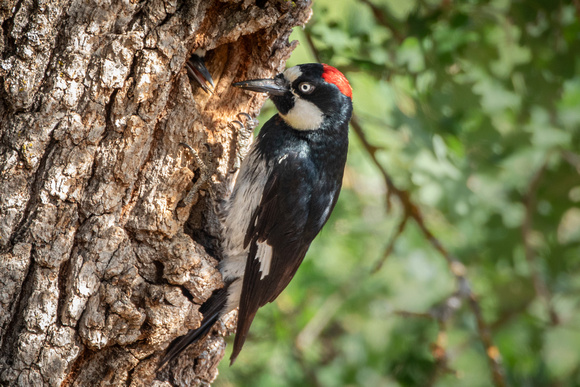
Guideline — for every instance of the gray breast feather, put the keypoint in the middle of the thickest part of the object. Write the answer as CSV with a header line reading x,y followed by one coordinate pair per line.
x,y
245,198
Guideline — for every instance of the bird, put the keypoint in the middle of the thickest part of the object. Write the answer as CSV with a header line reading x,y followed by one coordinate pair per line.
x,y
198,72
285,191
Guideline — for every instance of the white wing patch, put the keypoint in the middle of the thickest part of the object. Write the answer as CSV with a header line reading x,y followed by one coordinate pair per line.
x,y
264,255
304,115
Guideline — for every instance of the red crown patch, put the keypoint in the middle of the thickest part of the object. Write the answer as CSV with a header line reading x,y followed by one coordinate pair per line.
x,y
332,75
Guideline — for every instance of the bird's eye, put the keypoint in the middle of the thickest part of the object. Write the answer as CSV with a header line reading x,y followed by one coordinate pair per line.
x,y
306,88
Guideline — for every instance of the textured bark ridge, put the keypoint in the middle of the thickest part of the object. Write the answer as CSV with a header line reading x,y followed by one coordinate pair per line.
x,y
99,268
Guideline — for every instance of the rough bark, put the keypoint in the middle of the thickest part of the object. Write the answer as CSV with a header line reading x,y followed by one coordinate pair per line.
x,y
99,268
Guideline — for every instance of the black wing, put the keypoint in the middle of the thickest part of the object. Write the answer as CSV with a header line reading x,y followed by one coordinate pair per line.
x,y
287,219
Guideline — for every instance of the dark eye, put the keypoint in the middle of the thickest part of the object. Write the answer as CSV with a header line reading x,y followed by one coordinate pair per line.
x,y
306,87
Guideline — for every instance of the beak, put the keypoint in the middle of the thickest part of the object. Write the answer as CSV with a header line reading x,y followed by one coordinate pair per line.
x,y
197,71
275,86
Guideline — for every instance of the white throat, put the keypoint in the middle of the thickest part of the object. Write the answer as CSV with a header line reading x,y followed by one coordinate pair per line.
x,y
304,115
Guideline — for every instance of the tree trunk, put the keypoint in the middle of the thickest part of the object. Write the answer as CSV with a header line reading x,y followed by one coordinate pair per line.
x,y
99,267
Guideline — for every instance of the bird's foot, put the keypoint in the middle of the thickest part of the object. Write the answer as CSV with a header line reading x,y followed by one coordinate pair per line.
x,y
243,137
204,175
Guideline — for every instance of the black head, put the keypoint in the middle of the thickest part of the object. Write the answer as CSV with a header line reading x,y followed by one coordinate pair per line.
x,y
307,96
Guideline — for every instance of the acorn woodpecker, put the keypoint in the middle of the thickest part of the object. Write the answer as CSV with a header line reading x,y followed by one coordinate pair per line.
x,y
197,71
285,191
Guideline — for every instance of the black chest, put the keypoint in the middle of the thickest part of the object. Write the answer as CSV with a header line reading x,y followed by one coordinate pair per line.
x,y
322,151
311,165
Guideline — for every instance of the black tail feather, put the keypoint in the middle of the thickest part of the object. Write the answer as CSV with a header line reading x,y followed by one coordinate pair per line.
x,y
211,311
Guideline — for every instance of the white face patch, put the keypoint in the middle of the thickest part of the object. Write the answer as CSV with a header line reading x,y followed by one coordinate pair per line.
x,y
264,255
304,115
292,74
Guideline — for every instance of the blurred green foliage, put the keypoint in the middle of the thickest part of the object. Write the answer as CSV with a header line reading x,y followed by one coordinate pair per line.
x,y
475,109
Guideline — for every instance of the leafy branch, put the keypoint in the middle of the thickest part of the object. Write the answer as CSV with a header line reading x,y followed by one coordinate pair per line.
x,y
411,210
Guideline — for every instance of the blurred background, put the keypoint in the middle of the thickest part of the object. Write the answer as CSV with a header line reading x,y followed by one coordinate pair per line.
x,y
453,255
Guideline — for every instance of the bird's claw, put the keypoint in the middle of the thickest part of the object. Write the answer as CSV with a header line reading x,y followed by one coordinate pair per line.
x,y
243,138
203,176
250,122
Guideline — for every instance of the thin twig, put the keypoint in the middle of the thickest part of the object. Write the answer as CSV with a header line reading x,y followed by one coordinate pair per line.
x,y
391,245
407,314
372,150
440,353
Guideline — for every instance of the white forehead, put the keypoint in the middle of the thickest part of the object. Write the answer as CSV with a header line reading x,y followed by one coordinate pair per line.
x,y
293,73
